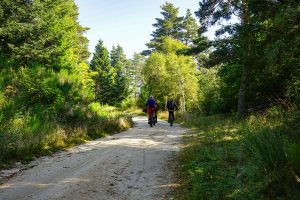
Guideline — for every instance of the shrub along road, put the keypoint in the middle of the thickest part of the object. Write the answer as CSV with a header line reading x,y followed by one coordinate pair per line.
x,y
136,164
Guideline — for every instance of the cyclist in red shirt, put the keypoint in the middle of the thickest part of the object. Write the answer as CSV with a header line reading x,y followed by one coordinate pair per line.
x,y
151,106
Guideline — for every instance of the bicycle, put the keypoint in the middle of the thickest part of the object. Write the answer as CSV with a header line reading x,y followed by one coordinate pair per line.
x,y
171,117
151,113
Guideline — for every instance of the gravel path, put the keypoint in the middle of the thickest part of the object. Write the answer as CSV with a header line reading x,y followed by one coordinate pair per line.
x,y
136,164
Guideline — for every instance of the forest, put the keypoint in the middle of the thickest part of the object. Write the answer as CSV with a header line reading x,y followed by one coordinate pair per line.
x,y
240,92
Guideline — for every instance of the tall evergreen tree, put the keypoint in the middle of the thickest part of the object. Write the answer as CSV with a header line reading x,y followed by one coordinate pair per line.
x,y
168,26
276,52
210,13
65,32
47,34
258,58
104,80
190,28
44,32
119,63
17,28
135,66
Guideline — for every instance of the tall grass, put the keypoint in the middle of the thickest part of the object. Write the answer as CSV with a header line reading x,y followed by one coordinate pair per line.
x,y
42,110
227,158
27,134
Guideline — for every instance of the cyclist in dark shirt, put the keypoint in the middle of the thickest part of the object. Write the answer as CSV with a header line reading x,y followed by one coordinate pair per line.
x,y
171,105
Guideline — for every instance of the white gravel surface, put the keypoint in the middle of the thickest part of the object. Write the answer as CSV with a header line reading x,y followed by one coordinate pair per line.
x,y
136,164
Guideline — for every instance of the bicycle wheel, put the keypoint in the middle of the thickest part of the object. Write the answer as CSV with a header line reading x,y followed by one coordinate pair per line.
x,y
151,120
171,120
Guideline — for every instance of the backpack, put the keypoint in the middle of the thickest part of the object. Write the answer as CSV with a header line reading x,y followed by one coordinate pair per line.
x,y
170,105
151,103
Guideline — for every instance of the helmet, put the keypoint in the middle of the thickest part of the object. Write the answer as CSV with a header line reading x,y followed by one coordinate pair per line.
x,y
151,96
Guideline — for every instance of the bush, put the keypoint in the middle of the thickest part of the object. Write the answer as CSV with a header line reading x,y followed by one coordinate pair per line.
x,y
252,158
269,151
293,152
41,110
129,102
209,91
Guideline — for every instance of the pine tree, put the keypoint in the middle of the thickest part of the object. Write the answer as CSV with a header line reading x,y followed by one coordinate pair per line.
x,y
210,13
258,57
135,66
119,63
169,26
104,80
190,28
17,28
44,32
47,34
65,34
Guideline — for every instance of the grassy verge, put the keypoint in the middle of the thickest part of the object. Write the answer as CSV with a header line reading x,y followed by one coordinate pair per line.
x,y
27,135
254,158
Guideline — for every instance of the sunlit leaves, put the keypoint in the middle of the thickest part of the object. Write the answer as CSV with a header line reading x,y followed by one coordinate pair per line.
x,y
168,75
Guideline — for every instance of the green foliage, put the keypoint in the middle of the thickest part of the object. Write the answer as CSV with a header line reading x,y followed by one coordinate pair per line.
x,y
35,132
22,132
171,46
209,91
268,150
229,86
129,102
46,85
254,158
44,32
143,97
119,63
183,29
258,56
134,72
167,75
293,150
211,158
169,26
105,120
191,28
106,74
38,87
47,34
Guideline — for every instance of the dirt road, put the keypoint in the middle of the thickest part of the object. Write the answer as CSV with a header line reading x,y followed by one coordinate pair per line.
x,y
136,164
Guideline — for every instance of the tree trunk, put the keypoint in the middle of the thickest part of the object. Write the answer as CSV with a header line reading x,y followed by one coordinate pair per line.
x,y
183,101
242,92
166,102
245,16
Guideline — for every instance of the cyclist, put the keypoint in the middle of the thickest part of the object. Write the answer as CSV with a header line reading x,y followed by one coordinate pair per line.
x,y
171,105
151,106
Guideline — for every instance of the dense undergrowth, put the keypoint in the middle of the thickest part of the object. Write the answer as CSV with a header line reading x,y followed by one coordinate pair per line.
x,y
253,158
42,111
28,134
48,90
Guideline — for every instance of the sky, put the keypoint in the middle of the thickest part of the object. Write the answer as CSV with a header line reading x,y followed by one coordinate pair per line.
x,y
125,22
